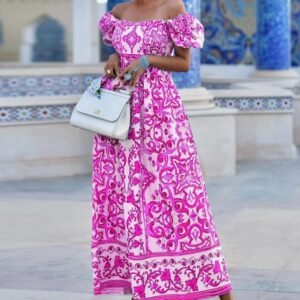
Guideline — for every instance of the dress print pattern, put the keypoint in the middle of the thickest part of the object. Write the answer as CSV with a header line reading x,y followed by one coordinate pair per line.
x,y
153,233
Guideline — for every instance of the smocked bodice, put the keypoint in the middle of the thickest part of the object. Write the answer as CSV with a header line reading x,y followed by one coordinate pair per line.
x,y
151,37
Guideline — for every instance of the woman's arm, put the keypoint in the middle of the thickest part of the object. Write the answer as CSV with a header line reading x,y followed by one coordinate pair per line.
x,y
178,63
181,61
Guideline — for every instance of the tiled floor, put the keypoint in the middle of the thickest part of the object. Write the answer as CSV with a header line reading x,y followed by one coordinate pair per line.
x,y
45,234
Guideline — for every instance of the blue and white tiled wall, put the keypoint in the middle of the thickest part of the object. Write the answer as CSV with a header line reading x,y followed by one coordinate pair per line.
x,y
21,114
256,104
71,84
231,29
230,32
52,85
35,86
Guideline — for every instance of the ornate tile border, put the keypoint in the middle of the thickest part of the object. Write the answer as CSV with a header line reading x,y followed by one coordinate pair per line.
x,y
35,113
21,114
58,85
256,104
52,85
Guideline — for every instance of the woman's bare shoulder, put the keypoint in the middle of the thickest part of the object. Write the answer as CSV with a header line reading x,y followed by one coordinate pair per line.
x,y
175,7
119,9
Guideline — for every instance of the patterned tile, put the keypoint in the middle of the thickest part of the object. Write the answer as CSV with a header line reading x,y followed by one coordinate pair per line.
x,y
35,113
229,28
256,104
64,111
54,85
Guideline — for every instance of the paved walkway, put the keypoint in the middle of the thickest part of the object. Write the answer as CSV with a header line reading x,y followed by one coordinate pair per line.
x,y
45,234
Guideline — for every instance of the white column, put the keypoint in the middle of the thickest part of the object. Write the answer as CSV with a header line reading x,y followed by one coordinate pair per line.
x,y
86,41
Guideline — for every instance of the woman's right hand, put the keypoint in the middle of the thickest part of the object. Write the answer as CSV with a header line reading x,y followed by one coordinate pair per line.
x,y
112,65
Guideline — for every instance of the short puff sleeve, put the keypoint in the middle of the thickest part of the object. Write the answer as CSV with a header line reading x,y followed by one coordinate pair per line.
x,y
107,25
186,31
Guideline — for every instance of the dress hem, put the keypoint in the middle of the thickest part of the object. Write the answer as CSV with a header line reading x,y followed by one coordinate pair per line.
x,y
114,287
124,288
193,296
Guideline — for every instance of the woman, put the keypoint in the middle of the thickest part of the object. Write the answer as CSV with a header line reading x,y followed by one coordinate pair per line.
x,y
153,231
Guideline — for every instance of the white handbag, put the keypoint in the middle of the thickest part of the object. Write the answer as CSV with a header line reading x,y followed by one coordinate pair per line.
x,y
103,111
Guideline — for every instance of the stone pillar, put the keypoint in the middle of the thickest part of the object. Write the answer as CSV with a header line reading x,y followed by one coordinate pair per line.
x,y
192,78
86,40
273,49
273,35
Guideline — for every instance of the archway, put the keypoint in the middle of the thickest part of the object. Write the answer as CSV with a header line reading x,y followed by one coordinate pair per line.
x,y
49,44
43,41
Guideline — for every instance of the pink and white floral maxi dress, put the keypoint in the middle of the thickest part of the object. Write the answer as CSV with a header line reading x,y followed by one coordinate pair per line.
x,y
152,227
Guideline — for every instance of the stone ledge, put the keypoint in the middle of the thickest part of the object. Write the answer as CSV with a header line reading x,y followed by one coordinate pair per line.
x,y
45,69
264,152
212,112
38,100
254,100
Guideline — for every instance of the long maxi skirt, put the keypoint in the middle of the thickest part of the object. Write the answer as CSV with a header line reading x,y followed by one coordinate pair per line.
x,y
153,233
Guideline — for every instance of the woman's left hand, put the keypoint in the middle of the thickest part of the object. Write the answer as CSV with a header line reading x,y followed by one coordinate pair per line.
x,y
134,70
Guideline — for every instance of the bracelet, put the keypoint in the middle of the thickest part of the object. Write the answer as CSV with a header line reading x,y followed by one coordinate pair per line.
x,y
143,63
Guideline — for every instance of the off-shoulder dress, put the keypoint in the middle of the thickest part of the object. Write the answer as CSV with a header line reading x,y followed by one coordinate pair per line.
x,y
153,233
